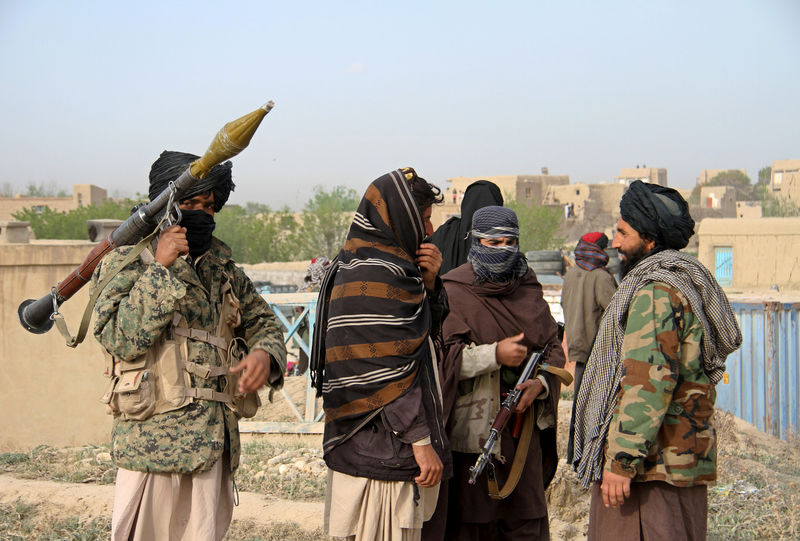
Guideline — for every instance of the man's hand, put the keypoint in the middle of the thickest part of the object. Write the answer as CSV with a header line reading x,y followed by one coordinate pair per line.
x,y
510,352
171,243
430,466
615,489
532,389
256,368
429,261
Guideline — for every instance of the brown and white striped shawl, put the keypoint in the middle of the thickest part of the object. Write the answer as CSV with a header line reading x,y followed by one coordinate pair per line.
x,y
378,317
594,405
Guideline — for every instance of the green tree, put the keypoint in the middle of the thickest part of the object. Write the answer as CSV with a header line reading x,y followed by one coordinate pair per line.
x,y
255,233
325,221
765,175
775,207
538,225
40,190
739,181
50,224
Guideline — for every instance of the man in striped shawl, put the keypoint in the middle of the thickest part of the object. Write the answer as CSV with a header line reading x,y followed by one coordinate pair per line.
x,y
384,438
643,436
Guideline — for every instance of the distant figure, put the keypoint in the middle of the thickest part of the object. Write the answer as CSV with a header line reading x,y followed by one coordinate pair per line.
x,y
453,237
455,196
315,272
643,435
587,290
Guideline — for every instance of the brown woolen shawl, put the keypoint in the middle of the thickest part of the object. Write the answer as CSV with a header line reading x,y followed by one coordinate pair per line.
x,y
488,313
378,315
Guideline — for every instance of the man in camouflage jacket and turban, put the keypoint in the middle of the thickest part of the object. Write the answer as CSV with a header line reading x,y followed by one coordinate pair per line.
x,y
167,320
643,435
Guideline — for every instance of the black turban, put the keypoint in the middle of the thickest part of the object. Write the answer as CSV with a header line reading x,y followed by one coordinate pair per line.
x,y
171,164
658,213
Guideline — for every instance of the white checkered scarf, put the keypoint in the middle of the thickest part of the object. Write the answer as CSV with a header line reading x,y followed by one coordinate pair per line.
x,y
594,405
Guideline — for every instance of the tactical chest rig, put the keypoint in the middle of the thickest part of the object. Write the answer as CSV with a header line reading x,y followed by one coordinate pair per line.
x,y
161,380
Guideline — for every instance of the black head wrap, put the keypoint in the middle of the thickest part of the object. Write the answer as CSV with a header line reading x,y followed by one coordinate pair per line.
x,y
659,213
171,164
453,237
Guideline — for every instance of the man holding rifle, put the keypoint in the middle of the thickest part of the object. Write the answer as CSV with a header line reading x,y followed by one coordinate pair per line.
x,y
498,318
189,343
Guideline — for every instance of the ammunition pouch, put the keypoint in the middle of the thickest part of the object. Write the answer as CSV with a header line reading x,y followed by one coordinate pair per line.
x,y
161,380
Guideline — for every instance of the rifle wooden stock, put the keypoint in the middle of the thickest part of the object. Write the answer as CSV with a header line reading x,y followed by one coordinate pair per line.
x,y
35,315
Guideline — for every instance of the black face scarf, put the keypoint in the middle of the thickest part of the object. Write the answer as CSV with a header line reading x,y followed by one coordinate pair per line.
x,y
199,225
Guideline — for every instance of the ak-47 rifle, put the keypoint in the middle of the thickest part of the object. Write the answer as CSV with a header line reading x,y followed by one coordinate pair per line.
x,y
37,316
532,368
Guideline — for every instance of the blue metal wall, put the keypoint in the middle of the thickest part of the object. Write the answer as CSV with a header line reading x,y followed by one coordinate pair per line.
x,y
762,378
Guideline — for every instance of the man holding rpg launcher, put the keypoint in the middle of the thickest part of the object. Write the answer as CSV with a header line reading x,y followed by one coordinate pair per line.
x,y
189,342
498,318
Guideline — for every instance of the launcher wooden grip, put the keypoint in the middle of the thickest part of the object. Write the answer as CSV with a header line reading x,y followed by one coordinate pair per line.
x,y
81,275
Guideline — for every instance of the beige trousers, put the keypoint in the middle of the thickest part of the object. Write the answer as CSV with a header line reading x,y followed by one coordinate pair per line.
x,y
173,506
361,509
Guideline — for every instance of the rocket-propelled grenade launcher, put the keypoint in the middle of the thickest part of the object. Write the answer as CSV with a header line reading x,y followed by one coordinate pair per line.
x,y
37,315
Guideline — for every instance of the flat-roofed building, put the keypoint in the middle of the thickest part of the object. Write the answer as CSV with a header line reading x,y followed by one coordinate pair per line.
x,y
708,174
748,209
520,187
653,175
751,253
82,195
785,180
587,200
722,198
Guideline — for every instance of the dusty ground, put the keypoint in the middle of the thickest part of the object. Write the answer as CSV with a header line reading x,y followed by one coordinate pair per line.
x,y
759,477
87,500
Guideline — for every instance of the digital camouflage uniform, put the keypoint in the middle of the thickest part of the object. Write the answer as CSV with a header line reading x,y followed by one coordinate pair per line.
x,y
135,308
661,429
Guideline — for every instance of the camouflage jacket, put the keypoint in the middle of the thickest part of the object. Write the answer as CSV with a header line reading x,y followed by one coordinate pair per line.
x,y
135,308
661,429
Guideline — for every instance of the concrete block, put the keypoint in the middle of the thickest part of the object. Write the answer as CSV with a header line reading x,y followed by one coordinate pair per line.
x,y
13,232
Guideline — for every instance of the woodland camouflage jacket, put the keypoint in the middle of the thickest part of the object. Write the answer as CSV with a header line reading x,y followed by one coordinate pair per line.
x,y
131,313
661,429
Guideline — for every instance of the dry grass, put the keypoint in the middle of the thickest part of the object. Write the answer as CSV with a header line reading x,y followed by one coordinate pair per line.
x,y
303,477
21,522
280,531
87,464
756,496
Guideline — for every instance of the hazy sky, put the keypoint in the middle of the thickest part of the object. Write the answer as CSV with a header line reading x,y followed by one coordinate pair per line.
x,y
92,92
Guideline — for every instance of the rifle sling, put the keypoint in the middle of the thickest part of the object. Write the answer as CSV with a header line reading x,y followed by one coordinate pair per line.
x,y
524,443
518,463
560,373
61,324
